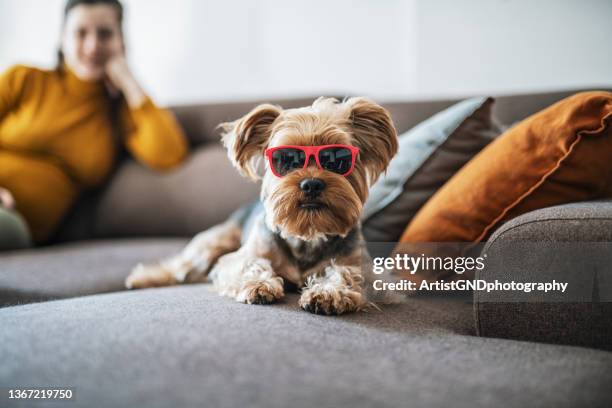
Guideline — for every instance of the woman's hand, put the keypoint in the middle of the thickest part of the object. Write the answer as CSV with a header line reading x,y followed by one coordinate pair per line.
x,y
6,199
120,78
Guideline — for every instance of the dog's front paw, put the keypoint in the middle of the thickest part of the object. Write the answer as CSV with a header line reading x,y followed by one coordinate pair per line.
x,y
261,292
148,276
260,285
322,299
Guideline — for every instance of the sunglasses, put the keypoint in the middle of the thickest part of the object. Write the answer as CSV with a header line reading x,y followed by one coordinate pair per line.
x,y
337,158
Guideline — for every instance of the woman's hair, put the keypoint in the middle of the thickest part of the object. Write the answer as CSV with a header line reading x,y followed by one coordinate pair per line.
x,y
114,101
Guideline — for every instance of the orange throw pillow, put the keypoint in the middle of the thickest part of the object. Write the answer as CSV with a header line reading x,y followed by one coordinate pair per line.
x,y
559,155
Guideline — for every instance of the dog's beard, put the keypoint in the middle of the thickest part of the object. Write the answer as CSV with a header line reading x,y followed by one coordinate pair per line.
x,y
338,213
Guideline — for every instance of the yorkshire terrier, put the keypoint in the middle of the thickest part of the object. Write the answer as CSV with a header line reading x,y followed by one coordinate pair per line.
x,y
320,162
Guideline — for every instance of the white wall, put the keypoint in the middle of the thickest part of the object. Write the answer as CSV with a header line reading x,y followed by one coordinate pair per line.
x,y
198,50
513,45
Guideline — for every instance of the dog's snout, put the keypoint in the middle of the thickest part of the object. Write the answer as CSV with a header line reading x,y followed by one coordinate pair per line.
x,y
312,187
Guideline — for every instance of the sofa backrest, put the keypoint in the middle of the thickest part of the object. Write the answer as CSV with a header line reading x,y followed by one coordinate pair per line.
x,y
204,191
200,120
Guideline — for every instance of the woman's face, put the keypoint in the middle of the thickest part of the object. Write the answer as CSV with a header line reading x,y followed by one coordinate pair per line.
x,y
91,36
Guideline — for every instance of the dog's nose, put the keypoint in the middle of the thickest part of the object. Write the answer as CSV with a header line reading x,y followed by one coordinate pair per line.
x,y
312,187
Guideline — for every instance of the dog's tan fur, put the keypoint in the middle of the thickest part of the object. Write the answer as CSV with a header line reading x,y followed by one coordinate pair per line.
x,y
285,235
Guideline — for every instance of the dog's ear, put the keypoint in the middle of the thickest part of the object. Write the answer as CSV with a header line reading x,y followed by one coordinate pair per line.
x,y
247,137
374,134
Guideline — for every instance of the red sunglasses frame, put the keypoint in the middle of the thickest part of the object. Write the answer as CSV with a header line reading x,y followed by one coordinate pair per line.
x,y
312,151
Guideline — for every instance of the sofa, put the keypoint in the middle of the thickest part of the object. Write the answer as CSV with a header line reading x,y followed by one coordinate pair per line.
x,y
66,320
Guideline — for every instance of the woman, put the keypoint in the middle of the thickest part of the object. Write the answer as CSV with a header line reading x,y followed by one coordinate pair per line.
x,y
60,130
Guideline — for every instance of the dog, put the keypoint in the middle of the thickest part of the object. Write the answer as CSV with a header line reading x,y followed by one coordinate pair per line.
x,y
318,164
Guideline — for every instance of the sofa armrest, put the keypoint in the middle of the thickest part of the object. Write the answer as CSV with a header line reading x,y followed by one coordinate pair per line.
x,y
570,243
588,221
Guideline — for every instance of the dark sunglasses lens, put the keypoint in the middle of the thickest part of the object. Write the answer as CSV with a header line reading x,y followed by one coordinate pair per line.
x,y
286,160
336,159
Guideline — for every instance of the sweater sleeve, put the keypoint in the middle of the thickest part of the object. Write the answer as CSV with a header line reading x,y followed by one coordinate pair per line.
x,y
154,137
11,86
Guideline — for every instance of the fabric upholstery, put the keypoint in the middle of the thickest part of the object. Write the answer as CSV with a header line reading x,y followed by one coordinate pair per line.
x,y
587,221
185,347
196,196
566,321
75,269
538,163
428,155
201,122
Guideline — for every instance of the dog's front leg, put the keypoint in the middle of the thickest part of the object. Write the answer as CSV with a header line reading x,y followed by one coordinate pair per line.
x,y
246,278
337,290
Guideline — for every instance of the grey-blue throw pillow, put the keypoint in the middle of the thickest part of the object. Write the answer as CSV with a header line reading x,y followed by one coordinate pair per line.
x,y
429,154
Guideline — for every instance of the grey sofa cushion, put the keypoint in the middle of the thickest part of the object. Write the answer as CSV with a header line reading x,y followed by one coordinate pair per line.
x,y
196,196
563,241
75,269
186,347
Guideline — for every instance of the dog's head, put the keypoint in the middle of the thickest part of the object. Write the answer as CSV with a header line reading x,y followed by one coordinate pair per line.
x,y
307,200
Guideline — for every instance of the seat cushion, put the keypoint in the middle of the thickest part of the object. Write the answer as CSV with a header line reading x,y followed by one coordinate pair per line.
x,y
184,346
76,269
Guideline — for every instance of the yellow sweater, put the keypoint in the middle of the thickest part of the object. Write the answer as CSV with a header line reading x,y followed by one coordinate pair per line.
x,y
56,141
